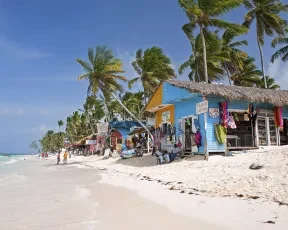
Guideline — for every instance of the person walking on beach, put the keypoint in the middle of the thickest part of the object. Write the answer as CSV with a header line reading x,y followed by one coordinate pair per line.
x,y
65,157
58,158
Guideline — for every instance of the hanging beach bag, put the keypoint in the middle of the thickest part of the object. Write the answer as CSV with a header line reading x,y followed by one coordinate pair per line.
x,y
220,133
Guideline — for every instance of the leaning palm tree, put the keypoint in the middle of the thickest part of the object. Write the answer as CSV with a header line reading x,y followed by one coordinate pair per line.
x,y
103,72
270,83
203,14
266,14
152,66
249,75
235,55
214,56
282,52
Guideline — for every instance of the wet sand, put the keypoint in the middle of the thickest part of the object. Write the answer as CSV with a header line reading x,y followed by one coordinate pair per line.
x,y
36,194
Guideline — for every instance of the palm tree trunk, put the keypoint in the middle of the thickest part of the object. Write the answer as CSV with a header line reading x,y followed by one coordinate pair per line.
x,y
132,115
197,73
204,53
228,75
262,62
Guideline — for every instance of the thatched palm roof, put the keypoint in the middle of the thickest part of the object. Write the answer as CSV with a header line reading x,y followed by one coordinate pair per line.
x,y
250,94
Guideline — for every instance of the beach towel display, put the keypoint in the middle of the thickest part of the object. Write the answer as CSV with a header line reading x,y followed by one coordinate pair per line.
x,y
223,113
198,139
278,116
220,133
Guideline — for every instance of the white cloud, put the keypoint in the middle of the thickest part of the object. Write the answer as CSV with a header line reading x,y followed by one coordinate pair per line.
x,y
12,49
278,70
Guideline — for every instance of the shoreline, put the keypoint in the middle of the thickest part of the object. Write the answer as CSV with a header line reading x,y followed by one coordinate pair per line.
x,y
236,211
43,195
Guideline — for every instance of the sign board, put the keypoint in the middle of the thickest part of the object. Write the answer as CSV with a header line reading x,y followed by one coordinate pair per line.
x,y
90,142
151,121
202,107
214,112
165,116
102,128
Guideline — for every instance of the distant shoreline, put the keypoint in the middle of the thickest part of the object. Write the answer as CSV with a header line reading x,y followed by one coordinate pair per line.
x,y
15,154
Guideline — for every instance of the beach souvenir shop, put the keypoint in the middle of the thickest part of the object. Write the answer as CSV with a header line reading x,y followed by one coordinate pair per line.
x,y
120,133
192,115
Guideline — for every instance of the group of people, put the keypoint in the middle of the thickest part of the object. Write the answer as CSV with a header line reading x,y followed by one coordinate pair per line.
x,y
65,157
167,157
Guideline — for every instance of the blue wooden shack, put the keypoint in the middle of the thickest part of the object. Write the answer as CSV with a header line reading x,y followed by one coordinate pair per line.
x,y
174,107
120,131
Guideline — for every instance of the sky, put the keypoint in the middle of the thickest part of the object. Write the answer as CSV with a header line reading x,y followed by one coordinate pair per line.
x,y
40,41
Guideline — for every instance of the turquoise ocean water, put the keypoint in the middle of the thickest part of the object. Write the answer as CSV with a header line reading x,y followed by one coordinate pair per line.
x,y
11,159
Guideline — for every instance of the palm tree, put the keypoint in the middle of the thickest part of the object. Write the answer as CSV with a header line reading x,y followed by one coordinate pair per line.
x,y
139,99
152,67
102,72
236,56
73,124
214,57
93,110
60,123
266,13
204,14
247,76
134,102
270,83
283,52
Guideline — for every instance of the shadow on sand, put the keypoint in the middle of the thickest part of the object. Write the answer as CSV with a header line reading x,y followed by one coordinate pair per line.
x,y
62,164
144,161
151,161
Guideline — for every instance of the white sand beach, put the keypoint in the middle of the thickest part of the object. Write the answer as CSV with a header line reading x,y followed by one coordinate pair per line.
x,y
246,197
38,194
219,176
90,193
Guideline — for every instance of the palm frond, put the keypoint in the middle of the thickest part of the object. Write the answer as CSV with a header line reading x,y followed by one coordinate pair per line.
x,y
86,66
279,40
223,6
218,23
280,53
132,82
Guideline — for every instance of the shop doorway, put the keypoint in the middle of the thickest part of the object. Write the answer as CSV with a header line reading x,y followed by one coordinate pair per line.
x,y
267,132
189,127
284,133
241,135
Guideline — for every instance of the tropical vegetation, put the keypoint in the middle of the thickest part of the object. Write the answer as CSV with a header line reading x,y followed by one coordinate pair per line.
x,y
217,54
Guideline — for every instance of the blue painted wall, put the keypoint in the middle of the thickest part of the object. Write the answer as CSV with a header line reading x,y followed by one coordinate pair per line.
x,y
124,131
187,108
172,95
213,144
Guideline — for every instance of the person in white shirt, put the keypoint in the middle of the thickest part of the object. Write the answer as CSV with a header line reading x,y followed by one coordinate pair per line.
x,y
159,156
